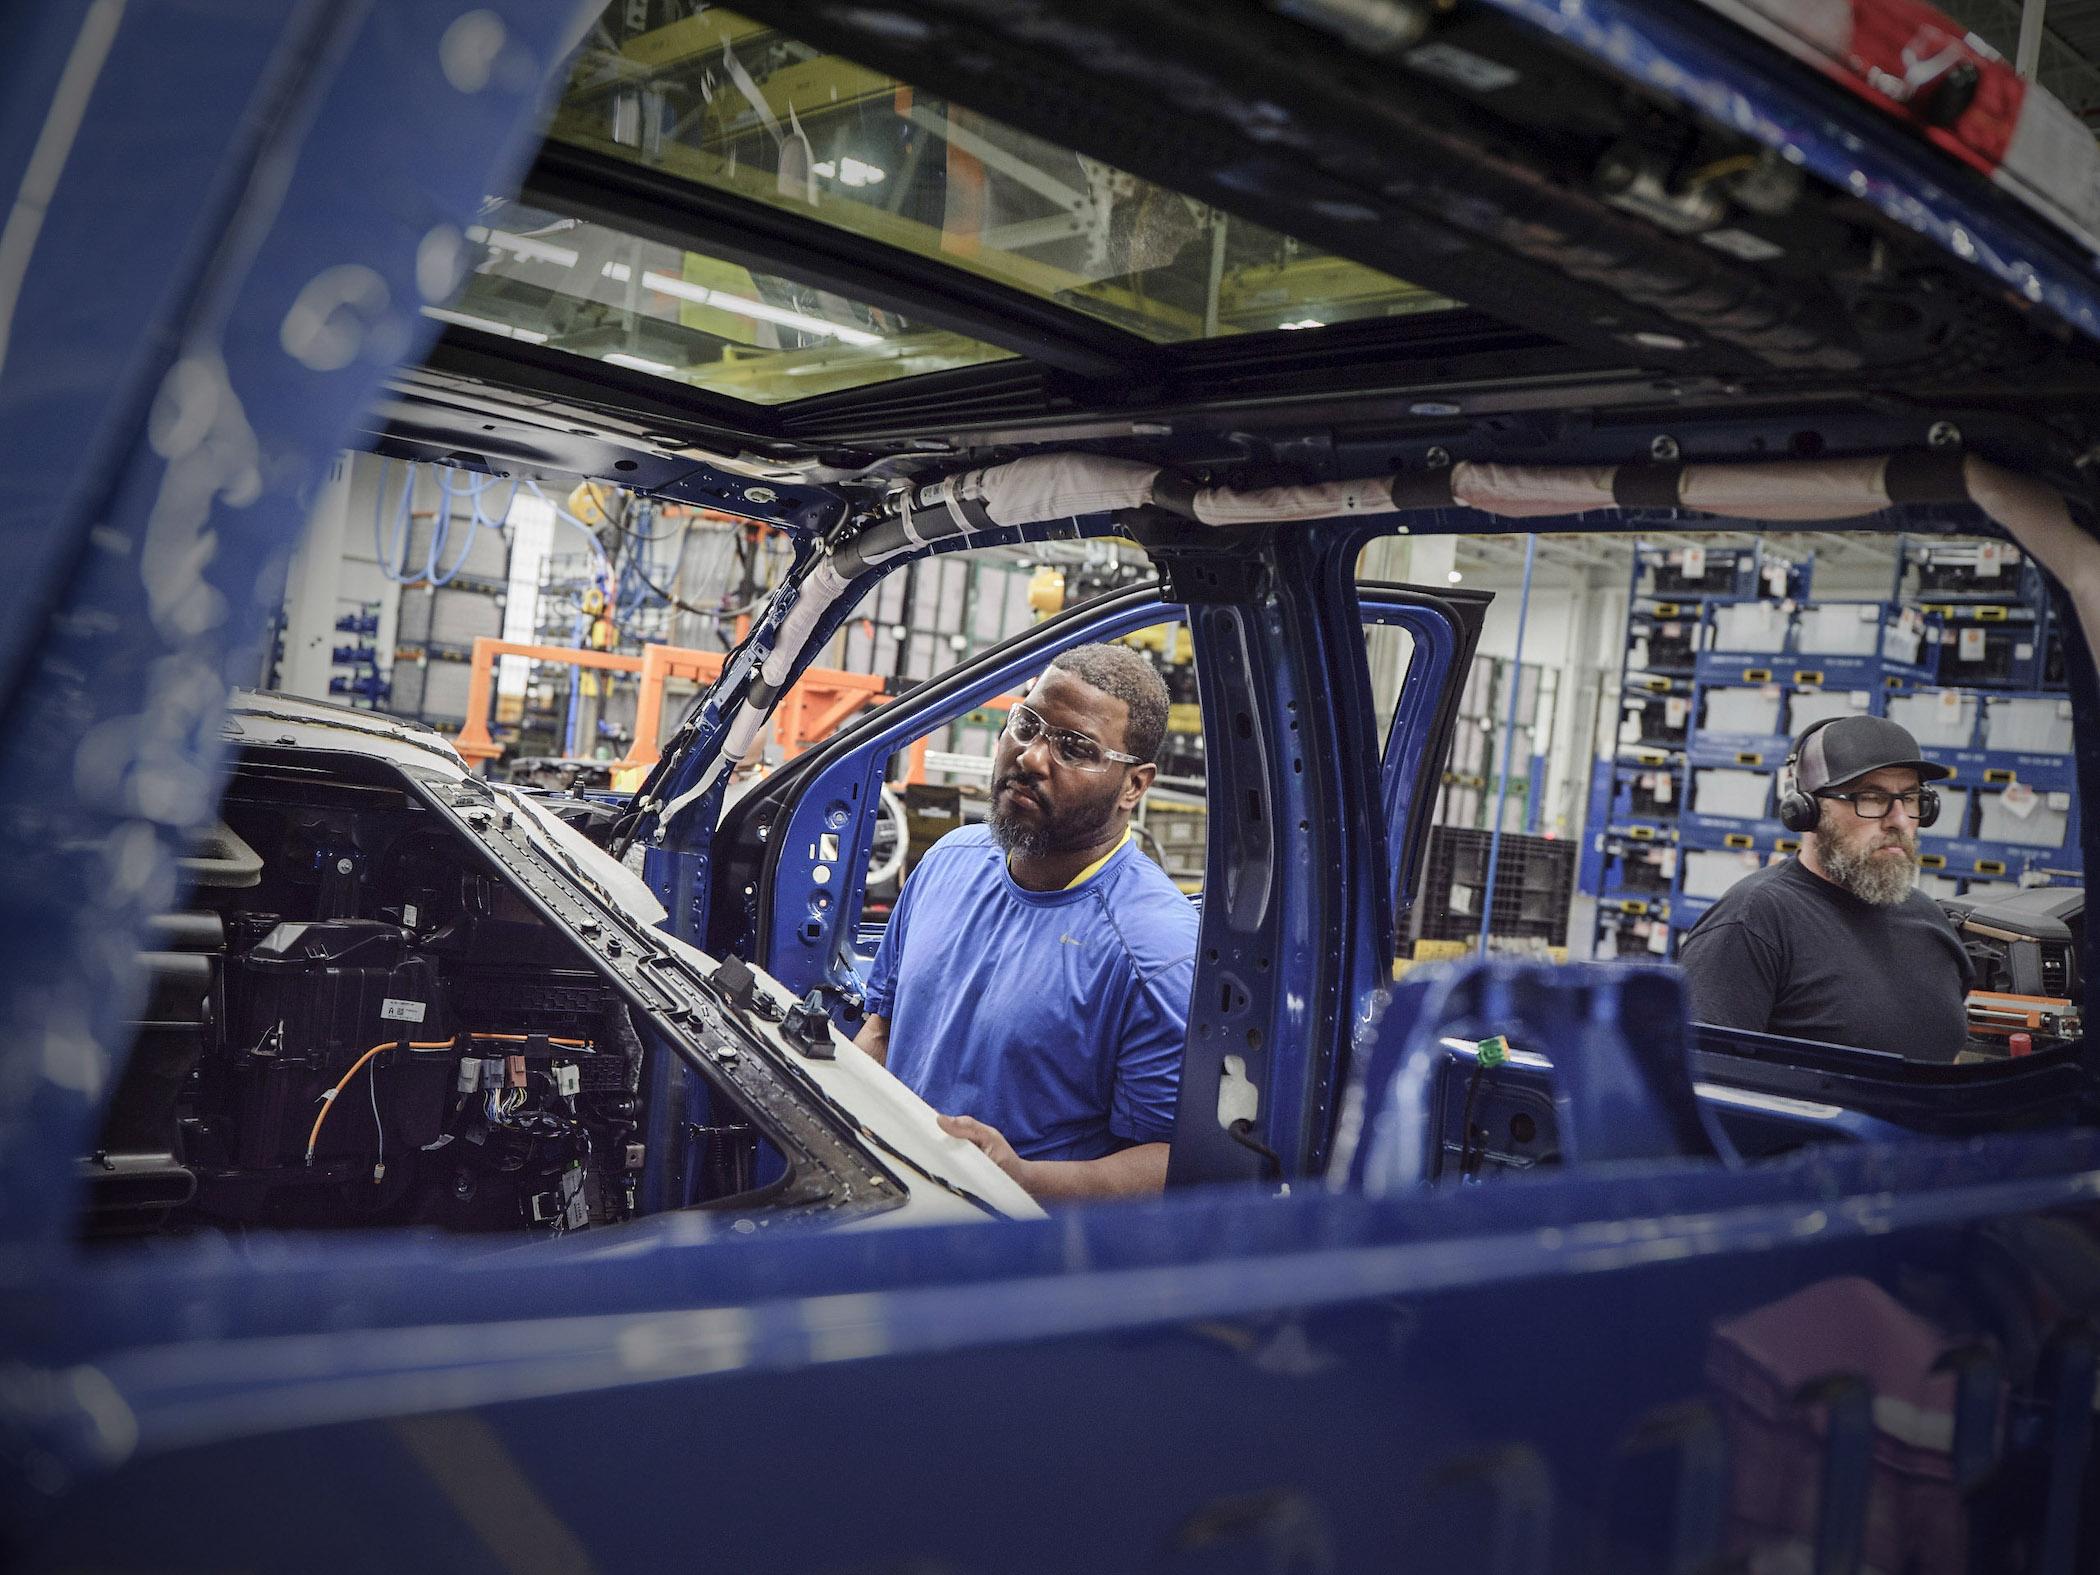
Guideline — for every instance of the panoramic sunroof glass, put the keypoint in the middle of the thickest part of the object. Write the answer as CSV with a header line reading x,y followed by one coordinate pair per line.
x,y
740,107
599,292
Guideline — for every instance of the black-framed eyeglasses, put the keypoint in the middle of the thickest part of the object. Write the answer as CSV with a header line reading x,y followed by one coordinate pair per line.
x,y
1067,748
1875,803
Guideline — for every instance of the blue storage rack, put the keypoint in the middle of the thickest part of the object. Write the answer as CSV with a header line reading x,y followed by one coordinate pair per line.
x,y
1918,647
1636,793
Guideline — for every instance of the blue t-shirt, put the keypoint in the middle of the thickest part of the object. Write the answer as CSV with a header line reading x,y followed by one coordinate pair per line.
x,y
1056,1016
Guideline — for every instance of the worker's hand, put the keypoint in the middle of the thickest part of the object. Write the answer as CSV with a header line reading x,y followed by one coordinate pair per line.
x,y
992,1141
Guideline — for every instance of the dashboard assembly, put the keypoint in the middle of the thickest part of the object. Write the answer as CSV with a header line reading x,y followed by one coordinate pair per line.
x,y
357,1022
397,996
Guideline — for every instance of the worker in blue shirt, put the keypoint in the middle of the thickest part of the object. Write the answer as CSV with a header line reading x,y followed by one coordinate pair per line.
x,y
1034,979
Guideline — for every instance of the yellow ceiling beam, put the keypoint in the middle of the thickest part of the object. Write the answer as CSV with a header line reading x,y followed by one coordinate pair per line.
x,y
884,228
661,48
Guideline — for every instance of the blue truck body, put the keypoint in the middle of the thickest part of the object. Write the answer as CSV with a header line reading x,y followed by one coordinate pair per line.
x,y
1878,1352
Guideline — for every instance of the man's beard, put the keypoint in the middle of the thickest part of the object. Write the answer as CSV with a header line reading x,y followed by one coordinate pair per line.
x,y
1861,869
1081,823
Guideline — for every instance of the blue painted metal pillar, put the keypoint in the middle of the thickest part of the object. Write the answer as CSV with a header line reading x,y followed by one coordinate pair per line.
x,y
222,222
1297,911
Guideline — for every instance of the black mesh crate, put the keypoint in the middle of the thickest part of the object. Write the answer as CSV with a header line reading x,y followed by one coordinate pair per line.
x,y
1664,720
1717,576
1534,885
2001,654
1633,866
1672,644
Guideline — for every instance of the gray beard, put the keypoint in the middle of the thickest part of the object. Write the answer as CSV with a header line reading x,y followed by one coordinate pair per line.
x,y
1867,877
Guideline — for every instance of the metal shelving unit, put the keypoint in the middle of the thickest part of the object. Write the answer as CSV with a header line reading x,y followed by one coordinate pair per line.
x,y
1631,852
1963,672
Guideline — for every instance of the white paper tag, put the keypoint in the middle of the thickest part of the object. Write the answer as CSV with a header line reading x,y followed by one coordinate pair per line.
x,y
1674,630
1775,578
2059,801
1665,787
399,1011
1659,939
1675,710
408,914
1950,701
1990,558
1694,563
2019,800
1859,700
1971,648
2023,653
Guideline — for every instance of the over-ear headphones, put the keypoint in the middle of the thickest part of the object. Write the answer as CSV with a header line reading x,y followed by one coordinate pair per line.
x,y
1799,811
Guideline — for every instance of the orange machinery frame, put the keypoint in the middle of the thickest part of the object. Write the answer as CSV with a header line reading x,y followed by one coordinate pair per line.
x,y
821,700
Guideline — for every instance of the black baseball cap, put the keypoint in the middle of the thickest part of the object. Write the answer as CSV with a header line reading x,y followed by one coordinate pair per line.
x,y
1850,747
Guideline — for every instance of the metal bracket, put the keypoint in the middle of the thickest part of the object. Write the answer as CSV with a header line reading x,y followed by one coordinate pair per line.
x,y
1202,565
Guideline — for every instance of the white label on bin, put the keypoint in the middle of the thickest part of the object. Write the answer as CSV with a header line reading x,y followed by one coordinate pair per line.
x,y
2059,801
1675,710
1950,701
1665,785
1859,699
2023,653
402,1011
1990,557
1694,562
408,915
1972,645
1659,939
2018,799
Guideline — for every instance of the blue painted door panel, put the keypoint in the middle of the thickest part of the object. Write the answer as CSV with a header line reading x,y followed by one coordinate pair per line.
x,y
200,319
1631,1372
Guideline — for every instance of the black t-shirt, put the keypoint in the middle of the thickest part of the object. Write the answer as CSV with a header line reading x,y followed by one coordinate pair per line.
x,y
1788,952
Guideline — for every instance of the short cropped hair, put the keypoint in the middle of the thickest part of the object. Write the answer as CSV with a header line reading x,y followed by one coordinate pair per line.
x,y
1125,675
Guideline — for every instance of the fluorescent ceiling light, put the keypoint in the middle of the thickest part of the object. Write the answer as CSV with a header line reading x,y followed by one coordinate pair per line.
x,y
1304,322
522,246
487,325
743,306
851,172
640,363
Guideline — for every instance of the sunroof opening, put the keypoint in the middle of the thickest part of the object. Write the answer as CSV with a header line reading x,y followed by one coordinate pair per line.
x,y
741,107
596,291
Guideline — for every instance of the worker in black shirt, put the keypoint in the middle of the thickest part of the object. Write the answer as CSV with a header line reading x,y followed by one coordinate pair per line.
x,y
1837,944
